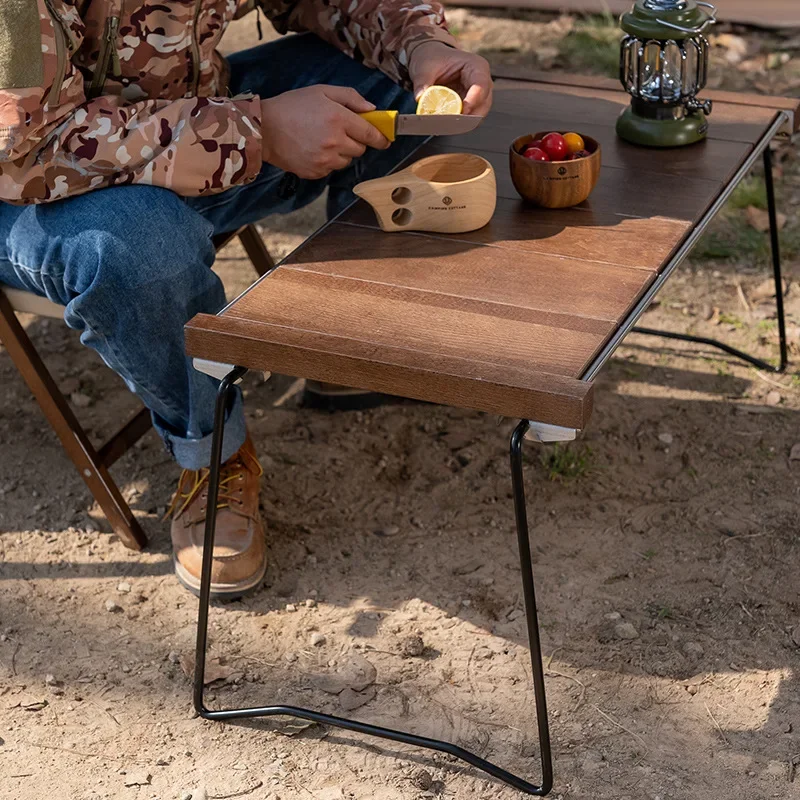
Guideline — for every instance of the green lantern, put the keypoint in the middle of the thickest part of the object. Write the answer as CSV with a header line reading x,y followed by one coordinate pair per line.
x,y
663,65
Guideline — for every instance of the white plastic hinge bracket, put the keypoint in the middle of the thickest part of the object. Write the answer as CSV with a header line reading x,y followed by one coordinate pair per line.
x,y
217,369
541,432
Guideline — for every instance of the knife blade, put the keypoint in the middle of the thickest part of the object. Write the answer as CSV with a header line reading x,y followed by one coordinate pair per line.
x,y
391,124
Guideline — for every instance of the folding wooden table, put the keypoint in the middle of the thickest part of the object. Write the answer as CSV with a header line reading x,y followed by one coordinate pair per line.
x,y
515,319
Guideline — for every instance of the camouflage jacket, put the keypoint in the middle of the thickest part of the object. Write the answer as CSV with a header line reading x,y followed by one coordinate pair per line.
x,y
129,91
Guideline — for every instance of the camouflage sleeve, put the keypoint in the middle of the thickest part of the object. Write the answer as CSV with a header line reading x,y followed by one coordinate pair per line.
x,y
54,143
379,33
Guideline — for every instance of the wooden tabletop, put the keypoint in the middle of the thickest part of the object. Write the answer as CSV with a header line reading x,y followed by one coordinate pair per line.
x,y
505,319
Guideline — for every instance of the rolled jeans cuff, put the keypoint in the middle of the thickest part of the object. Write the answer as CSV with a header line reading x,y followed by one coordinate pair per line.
x,y
195,454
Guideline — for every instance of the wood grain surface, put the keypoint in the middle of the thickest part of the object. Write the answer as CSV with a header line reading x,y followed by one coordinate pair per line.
x,y
504,319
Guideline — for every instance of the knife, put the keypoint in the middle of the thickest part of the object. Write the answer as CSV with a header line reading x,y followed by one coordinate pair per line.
x,y
391,124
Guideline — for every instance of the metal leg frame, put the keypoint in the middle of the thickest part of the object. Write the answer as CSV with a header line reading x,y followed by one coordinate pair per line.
x,y
776,267
360,727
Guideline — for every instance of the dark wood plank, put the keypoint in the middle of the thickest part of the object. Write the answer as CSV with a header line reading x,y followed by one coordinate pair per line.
x,y
619,191
584,233
715,160
557,287
594,82
560,104
521,392
383,315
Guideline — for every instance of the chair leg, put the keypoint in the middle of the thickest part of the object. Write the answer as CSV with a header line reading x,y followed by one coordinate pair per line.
x,y
256,250
72,436
523,785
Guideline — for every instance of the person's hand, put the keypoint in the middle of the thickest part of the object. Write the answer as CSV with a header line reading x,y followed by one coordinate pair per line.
x,y
434,63
313,131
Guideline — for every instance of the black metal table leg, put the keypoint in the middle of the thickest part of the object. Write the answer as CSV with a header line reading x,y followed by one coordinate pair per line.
x,y
225,388
775,248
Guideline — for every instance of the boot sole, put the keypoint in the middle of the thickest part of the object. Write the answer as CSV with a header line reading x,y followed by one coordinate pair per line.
x,y
220,591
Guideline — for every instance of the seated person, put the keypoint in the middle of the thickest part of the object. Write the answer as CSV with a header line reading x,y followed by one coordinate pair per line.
x,y
127,141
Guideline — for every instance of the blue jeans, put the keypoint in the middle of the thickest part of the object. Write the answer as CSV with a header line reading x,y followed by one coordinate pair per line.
x,y
132,264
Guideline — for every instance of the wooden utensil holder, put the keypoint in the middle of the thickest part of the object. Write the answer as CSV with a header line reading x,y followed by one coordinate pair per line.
x,y
449,193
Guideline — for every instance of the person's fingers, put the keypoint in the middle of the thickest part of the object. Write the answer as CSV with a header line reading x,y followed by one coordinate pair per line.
x,y
340,162
349,98
478,99
350,148
420,86
361,131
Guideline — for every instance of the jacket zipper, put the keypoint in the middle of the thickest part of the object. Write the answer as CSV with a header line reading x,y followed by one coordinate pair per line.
x,y
62,51
108,52
195,49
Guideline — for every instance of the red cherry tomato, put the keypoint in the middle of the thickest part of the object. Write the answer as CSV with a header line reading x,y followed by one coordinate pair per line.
x,y
536,154
555,146
531,146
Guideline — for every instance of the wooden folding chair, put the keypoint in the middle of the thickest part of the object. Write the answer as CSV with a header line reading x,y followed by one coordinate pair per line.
x,y
92,463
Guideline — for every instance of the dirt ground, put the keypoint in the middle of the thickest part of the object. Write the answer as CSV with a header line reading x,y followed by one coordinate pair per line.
x,y
665,545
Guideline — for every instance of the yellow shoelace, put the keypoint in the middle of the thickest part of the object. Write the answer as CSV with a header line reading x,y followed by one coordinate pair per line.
x,y
199,478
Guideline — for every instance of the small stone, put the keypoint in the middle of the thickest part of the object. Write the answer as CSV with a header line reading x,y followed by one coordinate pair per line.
x,y
124,587
138,778
80,400
796,635
692,689
163,762
624,630
389,530
773,398
174,657
318,639
311,603
693,649
186,796
795,454
665,438
421,779
614,616
412,646
112,607
291,607
290,657
51,680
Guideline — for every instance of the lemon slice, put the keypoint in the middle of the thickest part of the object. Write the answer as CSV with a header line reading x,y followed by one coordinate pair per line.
x,y
439,100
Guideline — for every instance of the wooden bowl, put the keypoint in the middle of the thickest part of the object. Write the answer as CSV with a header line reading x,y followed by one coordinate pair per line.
x,y
554,184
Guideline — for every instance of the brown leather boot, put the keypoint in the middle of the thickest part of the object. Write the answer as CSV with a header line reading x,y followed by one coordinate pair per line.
x,y
333,397
240,554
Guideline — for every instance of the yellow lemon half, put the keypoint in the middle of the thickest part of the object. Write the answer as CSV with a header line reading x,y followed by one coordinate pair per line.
x,y
439,100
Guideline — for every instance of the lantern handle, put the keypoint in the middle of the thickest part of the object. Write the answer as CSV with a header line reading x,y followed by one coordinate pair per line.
x,y
710,20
